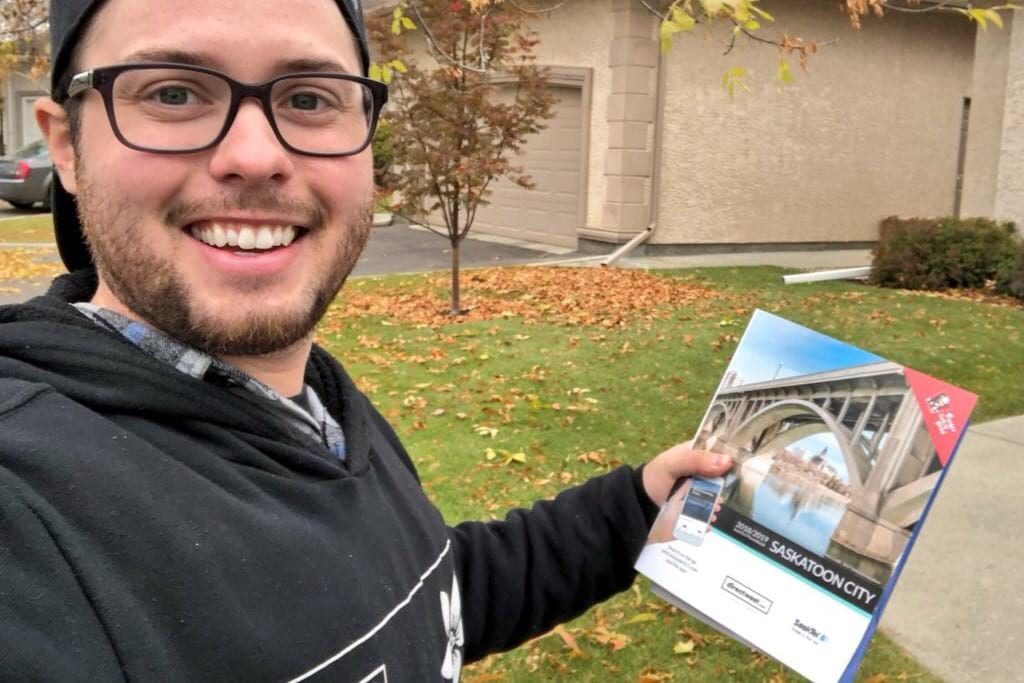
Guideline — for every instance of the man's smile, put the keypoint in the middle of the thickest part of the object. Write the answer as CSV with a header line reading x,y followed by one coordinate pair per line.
x,y
235,236
247,248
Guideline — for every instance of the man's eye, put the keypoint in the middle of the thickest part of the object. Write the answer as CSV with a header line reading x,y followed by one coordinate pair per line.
x,y
173,95
305,101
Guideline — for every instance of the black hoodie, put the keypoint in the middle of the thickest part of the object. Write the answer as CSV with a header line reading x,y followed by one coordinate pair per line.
x,y
155,526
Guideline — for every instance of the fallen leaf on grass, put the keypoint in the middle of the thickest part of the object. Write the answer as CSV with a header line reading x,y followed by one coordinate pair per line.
x,y
604,636
485,431
641,618
595,457
569,640
683,647
507,458
697,638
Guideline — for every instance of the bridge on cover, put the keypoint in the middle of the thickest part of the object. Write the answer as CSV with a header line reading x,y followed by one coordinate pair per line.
x,y
878,427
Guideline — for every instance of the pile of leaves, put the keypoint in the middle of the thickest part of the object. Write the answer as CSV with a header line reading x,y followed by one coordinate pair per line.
x,y
27,264
606,297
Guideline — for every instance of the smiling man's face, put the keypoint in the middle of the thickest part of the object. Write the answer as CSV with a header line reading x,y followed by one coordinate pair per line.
x,y
153,220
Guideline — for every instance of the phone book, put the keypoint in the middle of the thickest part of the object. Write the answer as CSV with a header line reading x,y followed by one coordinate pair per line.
x,y
838,455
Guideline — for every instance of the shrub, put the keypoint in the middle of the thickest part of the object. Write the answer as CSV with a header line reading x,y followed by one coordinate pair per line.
x,y
1011,279
383,148
943,253
383,158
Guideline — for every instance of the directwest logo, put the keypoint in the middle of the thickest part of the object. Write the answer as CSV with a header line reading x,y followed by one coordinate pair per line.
x,y
810,631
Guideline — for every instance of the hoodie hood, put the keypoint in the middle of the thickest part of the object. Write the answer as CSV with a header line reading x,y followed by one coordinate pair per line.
x,y
47,341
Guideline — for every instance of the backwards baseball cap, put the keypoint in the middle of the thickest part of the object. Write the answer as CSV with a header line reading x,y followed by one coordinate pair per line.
x,y
68,19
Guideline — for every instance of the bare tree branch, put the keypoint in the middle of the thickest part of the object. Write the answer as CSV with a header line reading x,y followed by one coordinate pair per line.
x,y
432,41
11,33
781,44
732,43
415,220
540,10
653,11
938,7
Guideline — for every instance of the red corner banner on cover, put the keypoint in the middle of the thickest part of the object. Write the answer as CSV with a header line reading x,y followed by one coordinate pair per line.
x,y
945,410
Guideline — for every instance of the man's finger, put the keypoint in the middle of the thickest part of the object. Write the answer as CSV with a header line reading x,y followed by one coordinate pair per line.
x,y
680,461
688,462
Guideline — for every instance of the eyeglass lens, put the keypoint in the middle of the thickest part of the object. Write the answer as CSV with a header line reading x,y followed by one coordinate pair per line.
x,y
179,109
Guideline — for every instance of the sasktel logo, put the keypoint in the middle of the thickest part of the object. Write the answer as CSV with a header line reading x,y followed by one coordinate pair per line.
x,y
810,631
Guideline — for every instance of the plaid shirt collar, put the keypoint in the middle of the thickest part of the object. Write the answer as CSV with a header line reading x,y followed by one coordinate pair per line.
x,y
315,422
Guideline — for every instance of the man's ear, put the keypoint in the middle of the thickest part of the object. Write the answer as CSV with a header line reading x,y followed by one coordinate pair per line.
x,y
53,122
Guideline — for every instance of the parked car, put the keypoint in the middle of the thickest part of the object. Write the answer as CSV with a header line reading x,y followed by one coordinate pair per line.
x,y
25,176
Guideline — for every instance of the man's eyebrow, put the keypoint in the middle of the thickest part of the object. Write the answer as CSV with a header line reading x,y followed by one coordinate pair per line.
x,y
191,58
174,56
308,64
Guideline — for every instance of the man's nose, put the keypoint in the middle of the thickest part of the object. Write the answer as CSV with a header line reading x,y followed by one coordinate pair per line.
x,y
250,151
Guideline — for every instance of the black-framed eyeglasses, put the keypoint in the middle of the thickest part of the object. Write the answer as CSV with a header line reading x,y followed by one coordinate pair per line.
x,y
177,108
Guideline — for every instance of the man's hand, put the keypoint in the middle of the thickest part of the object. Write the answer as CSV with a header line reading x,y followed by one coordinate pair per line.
x,y
662,473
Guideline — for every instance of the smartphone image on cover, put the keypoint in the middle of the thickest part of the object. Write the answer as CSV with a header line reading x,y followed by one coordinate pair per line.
x,y
698,507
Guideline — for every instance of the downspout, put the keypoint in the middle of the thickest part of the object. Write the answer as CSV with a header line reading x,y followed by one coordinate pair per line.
x,y
659,119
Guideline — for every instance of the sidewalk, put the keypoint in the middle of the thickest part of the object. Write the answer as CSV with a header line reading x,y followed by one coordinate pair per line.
x,y
821,259
958,606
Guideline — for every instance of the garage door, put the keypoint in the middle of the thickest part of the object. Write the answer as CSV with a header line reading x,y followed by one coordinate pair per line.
x,y
548,213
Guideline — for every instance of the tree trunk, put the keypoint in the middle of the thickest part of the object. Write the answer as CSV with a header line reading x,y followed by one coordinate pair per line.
x,y
456,304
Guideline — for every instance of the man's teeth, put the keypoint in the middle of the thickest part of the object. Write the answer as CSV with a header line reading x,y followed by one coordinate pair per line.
x,y
245,237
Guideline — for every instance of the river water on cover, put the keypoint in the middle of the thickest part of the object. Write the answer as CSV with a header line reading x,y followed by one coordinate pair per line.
x,y
805,517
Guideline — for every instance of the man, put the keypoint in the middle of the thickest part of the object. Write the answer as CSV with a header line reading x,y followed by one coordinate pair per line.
x,y
189,488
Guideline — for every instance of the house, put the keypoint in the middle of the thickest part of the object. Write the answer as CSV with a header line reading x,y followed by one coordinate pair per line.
x,y
19,123
915,114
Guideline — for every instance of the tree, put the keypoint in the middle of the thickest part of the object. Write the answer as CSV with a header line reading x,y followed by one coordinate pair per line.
x,y
457,123
24,43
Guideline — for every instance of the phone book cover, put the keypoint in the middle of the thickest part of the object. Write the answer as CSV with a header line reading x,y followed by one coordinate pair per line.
x,y
838,455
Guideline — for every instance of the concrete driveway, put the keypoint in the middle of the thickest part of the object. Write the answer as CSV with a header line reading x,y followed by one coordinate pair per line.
x,y
399,248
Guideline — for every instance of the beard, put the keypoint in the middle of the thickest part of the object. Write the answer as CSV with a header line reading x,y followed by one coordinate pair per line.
x,y
152,288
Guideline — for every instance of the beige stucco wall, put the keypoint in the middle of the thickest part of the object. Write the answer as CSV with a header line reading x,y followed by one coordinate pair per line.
x,y
577,35
994,168
988,87
1009,200
872,130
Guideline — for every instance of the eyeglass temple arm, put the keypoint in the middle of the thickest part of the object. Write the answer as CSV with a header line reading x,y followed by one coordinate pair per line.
x,y
80,83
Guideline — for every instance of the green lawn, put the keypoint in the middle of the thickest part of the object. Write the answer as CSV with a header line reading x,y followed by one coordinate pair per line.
x,y
549,388
33,228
